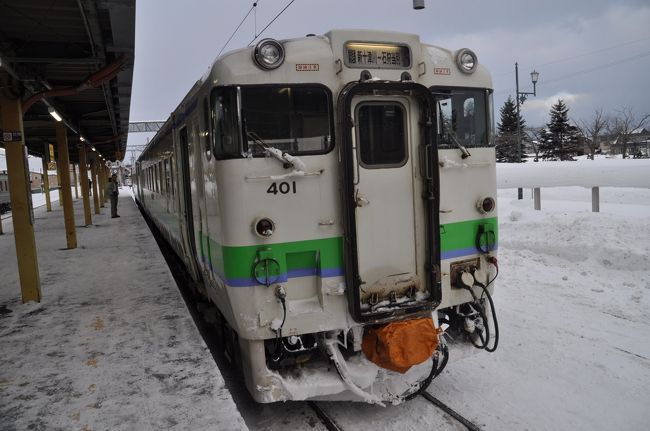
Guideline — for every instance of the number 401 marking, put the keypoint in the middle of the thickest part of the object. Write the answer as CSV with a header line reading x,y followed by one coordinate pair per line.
x,y
283,188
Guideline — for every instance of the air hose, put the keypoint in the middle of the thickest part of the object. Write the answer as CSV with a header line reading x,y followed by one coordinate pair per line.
x,y
435,370
482,313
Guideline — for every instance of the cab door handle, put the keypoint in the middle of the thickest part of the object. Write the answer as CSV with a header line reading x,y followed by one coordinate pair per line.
x,y
360,200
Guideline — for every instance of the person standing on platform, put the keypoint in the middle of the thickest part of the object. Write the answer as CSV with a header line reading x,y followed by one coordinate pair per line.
x,y
113,191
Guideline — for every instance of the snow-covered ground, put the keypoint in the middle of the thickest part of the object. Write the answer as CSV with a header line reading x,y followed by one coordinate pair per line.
x,y
573,301
111,345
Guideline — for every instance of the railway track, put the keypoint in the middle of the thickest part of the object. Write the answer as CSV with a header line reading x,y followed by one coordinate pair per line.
x,y
330,424
451,412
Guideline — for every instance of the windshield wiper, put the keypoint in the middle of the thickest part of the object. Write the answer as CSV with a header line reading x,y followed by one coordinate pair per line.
x,y
287,159
464,153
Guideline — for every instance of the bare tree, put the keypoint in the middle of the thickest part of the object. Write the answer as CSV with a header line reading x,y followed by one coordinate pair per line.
x,y
534,136
624,124
593,129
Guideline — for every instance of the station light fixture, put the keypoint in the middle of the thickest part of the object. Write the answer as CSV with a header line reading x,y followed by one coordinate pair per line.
x,y
54,114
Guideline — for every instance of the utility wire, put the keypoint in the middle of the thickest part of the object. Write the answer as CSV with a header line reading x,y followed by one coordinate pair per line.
x,y
238,27
586,54
593,52
272,21
585,71
603,66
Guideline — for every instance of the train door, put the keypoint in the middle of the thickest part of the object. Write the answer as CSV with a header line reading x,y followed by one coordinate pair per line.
x,y
198,198
391,257
187,224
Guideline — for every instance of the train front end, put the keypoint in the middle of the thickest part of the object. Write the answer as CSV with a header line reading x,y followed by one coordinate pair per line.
x,y
354,221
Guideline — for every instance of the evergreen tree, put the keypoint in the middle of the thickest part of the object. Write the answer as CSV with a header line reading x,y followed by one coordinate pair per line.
x,y
507,148
559,140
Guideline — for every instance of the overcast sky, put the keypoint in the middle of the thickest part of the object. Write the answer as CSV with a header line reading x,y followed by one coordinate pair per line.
x,y
590,53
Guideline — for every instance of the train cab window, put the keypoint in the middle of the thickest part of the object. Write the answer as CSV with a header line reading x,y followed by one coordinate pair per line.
x,y
381,135
294,119
223,122
463,117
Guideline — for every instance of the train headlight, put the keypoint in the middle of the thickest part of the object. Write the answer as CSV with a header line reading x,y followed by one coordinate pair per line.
x,y
466,60
268,54
486,205
264,227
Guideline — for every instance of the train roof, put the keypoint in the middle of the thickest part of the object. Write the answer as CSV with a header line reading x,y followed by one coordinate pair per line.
x,y
320,58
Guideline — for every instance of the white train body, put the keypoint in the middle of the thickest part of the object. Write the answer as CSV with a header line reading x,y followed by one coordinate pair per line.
x,y
341,231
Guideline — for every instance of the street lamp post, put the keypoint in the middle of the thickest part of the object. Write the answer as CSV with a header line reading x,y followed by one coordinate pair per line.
x,y
521,98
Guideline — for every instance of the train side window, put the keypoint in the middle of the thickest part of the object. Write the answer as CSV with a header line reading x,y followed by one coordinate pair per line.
x,y
171,174
205,129
160,178
381,135
167,177
223,121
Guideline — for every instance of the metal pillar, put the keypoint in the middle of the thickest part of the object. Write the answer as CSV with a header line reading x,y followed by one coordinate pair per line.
x,y
74,178
46,180
59,175
21,205
93,172
537,197
595,199
102,183
83,180
521,98
65,193
520,191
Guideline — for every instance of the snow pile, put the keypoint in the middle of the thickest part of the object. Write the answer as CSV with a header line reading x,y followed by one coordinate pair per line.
x,y
584,173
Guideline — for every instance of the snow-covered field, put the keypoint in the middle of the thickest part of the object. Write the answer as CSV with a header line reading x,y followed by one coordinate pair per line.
x,y
573,301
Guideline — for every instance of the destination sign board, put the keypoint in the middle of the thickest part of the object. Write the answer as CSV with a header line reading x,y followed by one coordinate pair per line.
x,y
377,55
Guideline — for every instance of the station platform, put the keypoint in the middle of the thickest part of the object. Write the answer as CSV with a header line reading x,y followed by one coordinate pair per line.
x,y
111,345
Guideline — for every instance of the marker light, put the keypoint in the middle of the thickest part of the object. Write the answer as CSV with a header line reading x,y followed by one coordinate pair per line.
x,y
466,61
268,54
264,227
486,205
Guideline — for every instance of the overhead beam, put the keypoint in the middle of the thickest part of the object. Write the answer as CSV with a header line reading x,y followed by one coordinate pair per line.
x,y
54,60
145,126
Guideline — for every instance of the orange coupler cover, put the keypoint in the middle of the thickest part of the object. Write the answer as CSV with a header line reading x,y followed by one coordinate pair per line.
x,y
397,346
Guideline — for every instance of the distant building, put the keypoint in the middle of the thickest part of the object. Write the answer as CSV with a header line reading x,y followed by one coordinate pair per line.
x,y
637,143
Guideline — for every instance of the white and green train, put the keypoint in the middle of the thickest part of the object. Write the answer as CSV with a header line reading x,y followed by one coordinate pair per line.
x,y
322,187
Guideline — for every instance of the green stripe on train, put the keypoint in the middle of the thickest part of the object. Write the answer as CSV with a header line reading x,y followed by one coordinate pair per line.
x,y
462,235
236,262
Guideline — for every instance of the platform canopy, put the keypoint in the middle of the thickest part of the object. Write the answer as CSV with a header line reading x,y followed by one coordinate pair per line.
x,y
74,57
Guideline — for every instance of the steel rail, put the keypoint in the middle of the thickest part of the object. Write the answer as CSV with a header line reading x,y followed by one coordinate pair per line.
x,y
325,419
451,412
